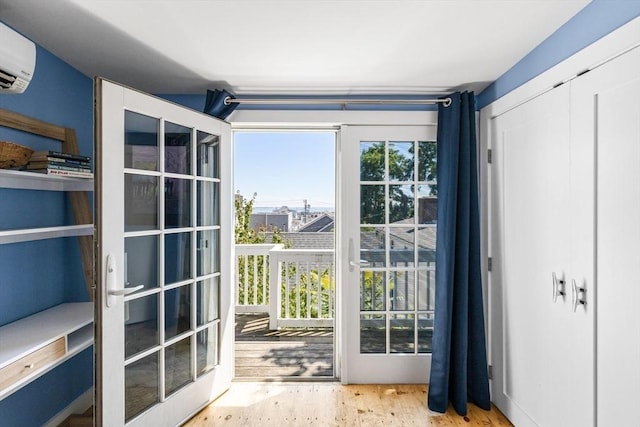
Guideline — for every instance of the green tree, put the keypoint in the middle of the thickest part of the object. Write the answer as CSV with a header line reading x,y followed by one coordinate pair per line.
x,y
244,234
372,197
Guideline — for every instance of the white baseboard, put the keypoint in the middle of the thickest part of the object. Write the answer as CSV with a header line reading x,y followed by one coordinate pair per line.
x,y
78,406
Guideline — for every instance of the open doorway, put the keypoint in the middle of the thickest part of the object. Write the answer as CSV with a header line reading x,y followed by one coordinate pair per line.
x,y
285,280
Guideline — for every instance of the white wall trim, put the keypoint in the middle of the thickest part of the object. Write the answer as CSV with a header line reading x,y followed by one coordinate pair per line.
x,y
328,118
78,406
613,44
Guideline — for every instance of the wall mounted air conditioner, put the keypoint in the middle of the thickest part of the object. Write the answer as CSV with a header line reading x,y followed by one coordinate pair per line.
x,y
17,61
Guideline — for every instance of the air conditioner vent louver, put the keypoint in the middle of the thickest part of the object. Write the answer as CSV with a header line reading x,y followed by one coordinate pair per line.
x,y
6,80
17,61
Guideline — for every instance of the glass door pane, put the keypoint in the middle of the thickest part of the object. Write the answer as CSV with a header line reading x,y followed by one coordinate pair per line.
x,y
398,250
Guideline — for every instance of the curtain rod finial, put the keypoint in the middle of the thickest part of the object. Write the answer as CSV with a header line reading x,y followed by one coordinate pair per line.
x,y
227,100
446,102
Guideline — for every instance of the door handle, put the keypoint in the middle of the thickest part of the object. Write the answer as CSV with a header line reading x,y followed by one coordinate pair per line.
x,y
111,291
578,295
361,263
352,262
558,287
125,291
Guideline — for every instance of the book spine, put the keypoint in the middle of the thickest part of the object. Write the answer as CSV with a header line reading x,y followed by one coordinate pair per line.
x,y
69,173
61,155
59,160
67,167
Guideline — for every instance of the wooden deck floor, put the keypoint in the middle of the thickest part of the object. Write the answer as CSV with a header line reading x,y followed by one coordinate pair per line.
x,y
289,353
267,404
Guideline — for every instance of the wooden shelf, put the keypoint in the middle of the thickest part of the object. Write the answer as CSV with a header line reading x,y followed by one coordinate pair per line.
x,y
37,181
69,323
41,233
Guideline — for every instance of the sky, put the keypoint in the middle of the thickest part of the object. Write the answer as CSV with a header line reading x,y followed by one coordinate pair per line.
x,y
285,168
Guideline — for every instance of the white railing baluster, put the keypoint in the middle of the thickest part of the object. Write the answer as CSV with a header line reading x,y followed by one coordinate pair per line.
x,y
263,282
255,280
273,286
245,299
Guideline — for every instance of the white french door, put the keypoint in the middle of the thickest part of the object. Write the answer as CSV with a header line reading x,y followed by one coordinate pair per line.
x,y
164,220
387,231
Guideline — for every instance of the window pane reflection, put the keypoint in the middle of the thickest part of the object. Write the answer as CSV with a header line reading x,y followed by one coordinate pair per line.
x,y
141,264
401,161
426,246
141,141
208,203
141,204
425,333
207,349
372,246
208,155
403,288
427,166
402,245
177,256
208,252
372,161
141,325
373,333
177,148
373,291
142,385
177,365
177,311
426,289
400,203
208,297
177,203
402,333
372,208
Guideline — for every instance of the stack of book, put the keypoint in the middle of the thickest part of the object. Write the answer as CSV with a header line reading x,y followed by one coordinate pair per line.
x,y
57,163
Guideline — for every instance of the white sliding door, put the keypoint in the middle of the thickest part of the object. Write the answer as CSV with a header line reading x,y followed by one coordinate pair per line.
x,y
164,221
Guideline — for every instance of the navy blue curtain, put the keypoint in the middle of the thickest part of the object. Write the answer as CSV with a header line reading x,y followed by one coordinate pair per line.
x,y
215,106
459,361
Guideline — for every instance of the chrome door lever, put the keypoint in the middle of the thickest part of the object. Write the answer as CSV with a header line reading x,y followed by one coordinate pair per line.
x,y
558,287
578,295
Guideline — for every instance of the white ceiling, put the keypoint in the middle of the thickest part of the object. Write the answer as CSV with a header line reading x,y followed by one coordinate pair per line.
x,y
291,46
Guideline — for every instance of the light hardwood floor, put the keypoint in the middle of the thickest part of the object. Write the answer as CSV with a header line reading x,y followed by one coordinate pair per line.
x,y
276,404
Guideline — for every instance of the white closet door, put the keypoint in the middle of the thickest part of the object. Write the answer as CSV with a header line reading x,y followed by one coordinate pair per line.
x,y
535,350
607,100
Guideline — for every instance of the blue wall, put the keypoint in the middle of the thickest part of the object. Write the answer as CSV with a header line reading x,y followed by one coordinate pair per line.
x,y
594,21
38,275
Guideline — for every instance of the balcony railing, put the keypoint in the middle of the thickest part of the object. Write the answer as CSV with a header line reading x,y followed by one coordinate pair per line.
x,y
295,286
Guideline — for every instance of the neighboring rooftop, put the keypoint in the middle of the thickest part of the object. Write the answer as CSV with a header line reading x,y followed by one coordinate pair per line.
x,y
323,223
298,240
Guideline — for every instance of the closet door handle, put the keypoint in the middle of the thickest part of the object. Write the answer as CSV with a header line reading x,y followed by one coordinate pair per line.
x,y
578,295
558,287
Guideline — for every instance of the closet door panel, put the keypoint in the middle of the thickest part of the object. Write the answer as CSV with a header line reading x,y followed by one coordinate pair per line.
x,y
531,186
607,105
